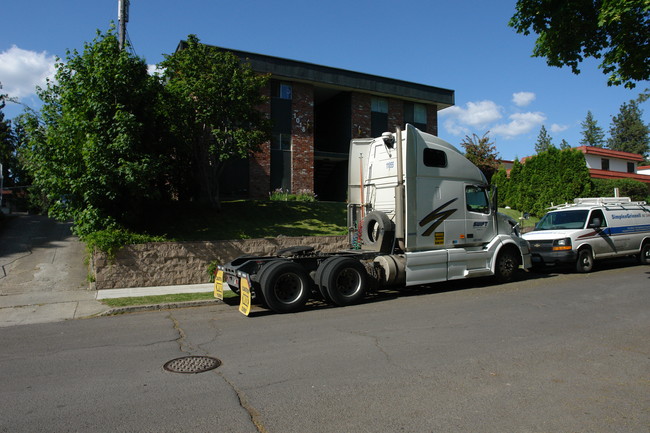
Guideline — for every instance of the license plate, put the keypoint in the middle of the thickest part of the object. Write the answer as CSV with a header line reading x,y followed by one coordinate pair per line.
x,y
232,280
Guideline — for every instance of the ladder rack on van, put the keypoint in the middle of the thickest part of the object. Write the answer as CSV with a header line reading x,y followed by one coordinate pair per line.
x,y
600,201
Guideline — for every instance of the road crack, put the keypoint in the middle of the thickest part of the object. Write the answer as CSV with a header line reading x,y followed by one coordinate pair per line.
x,y
254,415
183,345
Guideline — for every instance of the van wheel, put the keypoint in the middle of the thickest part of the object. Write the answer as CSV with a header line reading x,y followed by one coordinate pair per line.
x,y
286,286
644,255
585,262
345,280
506,266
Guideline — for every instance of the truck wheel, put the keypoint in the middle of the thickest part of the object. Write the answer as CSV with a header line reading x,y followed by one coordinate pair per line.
x,y
585,262
506,266
378,232
286,287
318,278
345,280
644,255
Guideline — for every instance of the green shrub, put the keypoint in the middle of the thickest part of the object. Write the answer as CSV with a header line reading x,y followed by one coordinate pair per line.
x,y
303,195
212,269
110,241
634,189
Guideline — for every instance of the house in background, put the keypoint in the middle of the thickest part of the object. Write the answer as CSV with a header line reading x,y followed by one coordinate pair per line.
x,y
605,164
316,111
613,164
643,169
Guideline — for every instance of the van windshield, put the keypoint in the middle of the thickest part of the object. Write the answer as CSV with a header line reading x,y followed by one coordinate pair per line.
x,y
570,219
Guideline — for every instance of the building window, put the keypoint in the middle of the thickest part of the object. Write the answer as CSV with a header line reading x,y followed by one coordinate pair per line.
x,y
378,116
630,167
281,142
379,105
416,115
604,164
282,90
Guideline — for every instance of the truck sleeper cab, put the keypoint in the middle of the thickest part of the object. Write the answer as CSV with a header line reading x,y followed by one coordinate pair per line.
x,y
419,212
591,229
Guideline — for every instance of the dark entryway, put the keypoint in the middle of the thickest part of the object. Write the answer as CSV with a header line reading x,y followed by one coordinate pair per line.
x,y
332,135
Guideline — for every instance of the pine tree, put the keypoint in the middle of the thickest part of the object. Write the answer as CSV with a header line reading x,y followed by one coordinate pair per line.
x,y
592,134
544,141
628,133
564,145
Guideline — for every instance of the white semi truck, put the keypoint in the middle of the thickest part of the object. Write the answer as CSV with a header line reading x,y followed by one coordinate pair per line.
x,y
419,212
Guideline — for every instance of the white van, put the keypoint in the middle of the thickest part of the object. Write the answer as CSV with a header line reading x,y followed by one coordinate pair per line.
x,y
589,229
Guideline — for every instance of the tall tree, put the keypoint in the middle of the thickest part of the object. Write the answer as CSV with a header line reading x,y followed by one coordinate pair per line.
x,y
482,153
96,151
592,134
555,176
628,132
544,141
7,144
618,32
218,115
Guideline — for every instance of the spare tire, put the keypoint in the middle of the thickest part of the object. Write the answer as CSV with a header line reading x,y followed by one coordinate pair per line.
x,y
378,232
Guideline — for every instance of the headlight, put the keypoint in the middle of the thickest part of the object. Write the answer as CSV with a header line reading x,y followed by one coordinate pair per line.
x,y
562,244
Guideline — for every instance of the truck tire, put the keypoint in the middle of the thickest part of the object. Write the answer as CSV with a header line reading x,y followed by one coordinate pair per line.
x,y
585,262
285,285
644,254
378,232
506,265
345,280
318,278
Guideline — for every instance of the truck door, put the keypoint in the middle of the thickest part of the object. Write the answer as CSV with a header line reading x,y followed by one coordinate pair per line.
x,y
479,225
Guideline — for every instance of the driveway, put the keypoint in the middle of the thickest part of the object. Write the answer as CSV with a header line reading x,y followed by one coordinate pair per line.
x,y
43,277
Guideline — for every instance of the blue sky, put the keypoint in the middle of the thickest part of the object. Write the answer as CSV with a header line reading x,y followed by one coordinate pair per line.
x,y
462,45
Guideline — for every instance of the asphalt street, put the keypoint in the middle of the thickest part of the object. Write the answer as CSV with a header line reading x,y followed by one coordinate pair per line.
x,y
560,352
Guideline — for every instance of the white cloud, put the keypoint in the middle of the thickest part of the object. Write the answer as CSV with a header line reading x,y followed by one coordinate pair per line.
x,y
154,69
475,114
22,70
522,99
558,128
520,123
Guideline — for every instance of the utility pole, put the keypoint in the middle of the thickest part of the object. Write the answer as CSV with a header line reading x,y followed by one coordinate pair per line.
x,y
122,18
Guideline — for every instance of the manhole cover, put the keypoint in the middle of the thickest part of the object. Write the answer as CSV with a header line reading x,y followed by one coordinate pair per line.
x,y
192,364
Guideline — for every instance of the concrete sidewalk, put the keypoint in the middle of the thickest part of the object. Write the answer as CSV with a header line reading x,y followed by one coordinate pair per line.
x,y
43,277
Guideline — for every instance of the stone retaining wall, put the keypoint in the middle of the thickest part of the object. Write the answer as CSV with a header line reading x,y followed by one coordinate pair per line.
x,y
173,263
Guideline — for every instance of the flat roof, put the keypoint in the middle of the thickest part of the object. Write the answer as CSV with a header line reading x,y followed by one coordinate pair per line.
x,y
293,70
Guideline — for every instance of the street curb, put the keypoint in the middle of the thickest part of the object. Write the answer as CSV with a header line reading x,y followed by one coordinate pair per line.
x,y
156,307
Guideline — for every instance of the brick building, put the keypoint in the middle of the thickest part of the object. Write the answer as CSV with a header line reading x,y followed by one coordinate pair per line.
x,y
316,111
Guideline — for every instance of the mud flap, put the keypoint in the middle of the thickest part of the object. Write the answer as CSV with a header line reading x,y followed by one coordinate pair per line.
x,y
245,296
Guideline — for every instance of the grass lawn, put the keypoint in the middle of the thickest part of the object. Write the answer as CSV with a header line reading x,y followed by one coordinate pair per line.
x,y
163,299
515,214
250,219
244,219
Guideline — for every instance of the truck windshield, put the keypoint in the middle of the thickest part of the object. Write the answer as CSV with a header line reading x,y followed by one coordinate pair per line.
x,y
570,219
